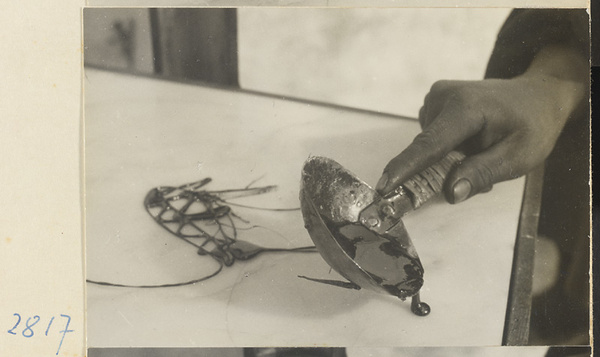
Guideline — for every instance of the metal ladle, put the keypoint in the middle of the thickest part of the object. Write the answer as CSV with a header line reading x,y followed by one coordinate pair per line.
x,y
365,244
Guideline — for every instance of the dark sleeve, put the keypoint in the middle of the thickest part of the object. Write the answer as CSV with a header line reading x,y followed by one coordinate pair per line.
x,y
526,31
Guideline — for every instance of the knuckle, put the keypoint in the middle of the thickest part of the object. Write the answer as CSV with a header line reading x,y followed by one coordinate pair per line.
x,y
422,117
485,176
427,140
440,86
461,95
427,98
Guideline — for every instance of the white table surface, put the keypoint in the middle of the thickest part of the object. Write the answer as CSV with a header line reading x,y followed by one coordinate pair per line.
x,y
141,133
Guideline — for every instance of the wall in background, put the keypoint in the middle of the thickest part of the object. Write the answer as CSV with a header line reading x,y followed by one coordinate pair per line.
x,y
378,59
118,39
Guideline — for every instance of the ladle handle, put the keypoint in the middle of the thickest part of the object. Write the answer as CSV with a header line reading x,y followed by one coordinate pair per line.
x,y
430,181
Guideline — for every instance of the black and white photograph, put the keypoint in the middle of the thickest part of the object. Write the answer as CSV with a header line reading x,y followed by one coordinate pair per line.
x,y
410,178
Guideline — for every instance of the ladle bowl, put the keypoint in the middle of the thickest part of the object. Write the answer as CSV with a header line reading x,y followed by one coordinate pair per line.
x,y
332,198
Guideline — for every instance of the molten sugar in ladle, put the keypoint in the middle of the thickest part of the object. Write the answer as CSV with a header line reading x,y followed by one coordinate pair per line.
x,y
360,234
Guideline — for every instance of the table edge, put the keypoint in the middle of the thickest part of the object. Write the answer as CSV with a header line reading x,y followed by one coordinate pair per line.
x,y
518,310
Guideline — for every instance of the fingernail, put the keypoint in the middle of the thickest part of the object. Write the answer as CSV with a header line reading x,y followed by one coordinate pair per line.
x,y
461,190
382,182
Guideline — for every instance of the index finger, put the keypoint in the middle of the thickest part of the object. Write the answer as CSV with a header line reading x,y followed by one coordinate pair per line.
x,y
443,135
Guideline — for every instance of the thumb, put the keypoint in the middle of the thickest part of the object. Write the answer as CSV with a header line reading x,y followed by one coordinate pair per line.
x,y
478,173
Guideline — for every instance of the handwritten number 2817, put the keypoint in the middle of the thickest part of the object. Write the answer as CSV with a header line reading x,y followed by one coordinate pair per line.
x,y
28,330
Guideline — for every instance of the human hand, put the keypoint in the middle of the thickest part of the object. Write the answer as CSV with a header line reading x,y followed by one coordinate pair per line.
x,y
506,127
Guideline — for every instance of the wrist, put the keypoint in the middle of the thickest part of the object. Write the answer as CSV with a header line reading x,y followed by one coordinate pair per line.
x,y
562,75
560,62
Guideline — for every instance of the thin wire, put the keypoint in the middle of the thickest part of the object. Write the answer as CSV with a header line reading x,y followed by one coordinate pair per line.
x,y
191,282
263,208
212,202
